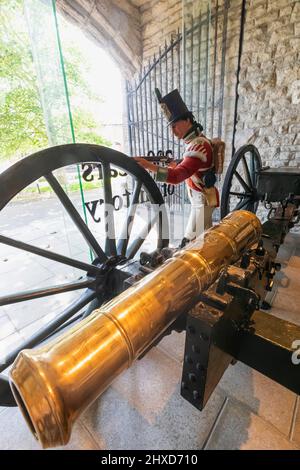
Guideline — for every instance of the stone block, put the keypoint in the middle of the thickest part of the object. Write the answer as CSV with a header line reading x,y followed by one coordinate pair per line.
x,y
143,410
15,434
239,428
252,388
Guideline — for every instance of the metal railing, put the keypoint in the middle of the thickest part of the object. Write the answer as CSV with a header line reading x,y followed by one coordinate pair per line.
x,y
194,62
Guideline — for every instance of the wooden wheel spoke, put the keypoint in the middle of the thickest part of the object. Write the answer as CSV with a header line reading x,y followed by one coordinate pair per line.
x,y
44,164
247,173
242,182
75,216
46,291
110,236
137,243
50,255
242,204
127,227
249,159
50,327
243,195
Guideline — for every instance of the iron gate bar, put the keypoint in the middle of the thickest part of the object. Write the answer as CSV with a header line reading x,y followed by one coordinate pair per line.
x,y
172,87
199,62
214,70
206,70
241,41
151,107
45,291
146,112
223,65
74,263
161,88
138,122
192,63
150,120
129,117
142,121
166,84
184,34
172,45
156,111
179,60
134,127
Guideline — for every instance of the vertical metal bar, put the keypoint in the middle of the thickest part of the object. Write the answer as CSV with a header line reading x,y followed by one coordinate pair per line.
x,y
161,87
151,107
179,61
206,67
172,85
129,119
223,65
156,104
166,85
131,105
241,41
214,70
146,112
179,81
142,127
199,67
184,61
192,60
137,117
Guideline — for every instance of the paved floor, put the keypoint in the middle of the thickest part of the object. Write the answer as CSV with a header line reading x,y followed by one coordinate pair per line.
x,y
143,408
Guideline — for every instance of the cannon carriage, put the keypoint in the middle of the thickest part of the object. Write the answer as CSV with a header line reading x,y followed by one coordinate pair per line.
x,y
222,310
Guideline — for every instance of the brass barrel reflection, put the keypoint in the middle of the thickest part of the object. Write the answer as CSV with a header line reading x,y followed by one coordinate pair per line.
x,y
55,383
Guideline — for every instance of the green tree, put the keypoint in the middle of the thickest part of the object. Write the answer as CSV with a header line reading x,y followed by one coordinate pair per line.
x,y
22,124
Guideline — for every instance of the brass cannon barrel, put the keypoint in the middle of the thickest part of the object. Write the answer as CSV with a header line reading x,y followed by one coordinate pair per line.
x,y
54,384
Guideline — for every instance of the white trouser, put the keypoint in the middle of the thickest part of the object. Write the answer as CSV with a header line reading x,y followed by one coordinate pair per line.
x,y
200,218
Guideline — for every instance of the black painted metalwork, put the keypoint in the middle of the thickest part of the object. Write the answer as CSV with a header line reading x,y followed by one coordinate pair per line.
x,y
240,182
183,63
227,325
241,42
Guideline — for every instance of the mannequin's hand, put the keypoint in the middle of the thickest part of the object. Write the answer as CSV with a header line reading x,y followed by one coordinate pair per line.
x,y
145,164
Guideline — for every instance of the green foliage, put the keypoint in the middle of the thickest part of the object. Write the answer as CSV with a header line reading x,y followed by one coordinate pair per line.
x,y
22,122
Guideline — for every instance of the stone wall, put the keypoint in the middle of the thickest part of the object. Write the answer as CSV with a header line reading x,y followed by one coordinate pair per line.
x,y
270,81
160,19
269,91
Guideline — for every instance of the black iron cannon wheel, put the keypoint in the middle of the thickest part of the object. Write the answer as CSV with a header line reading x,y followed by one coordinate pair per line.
x,y
106,260
240,183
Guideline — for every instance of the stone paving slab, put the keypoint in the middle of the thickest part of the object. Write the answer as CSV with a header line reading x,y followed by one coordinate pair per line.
x,y
143,409
295,431
15,434
253,389
239,428
173,345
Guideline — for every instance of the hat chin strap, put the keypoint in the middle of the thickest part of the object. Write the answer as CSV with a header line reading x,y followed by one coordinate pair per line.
x,y
196,127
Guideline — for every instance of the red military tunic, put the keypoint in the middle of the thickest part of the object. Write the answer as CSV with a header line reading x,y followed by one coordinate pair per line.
x,y
197,159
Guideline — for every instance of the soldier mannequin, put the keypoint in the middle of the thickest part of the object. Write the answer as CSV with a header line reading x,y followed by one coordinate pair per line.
x,y
196,167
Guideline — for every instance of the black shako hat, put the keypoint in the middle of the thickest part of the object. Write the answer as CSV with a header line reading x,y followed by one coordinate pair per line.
x,y
173,106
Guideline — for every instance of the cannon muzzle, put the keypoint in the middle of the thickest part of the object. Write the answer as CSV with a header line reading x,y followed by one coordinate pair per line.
x,y
54,384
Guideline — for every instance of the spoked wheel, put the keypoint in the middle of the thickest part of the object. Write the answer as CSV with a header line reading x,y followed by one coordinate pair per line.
x,y
240,183
113,237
